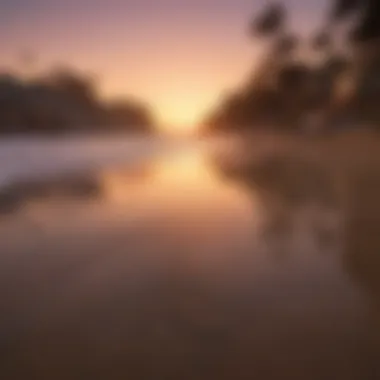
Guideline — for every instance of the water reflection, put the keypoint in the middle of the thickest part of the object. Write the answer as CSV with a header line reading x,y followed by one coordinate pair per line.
x,y
18,194
187,268
298,198
289,186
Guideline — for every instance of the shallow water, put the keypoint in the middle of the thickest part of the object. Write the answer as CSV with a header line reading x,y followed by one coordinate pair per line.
x,y
175,265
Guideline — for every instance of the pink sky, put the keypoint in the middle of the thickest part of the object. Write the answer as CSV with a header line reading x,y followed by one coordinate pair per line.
x,y
179,56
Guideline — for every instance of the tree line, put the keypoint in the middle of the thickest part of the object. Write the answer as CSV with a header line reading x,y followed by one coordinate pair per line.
x,y
330,80
65,100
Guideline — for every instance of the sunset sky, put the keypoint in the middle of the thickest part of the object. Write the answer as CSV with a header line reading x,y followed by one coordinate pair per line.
x,y
179,56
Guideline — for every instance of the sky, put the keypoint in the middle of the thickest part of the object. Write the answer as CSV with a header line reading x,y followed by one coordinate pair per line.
x,y
179,56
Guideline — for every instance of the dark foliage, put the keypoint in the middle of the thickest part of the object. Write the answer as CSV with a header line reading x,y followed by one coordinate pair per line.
x,y
270,21
64,101
368,27
289,93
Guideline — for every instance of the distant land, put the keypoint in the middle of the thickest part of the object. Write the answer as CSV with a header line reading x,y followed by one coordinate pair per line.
x,y
65,101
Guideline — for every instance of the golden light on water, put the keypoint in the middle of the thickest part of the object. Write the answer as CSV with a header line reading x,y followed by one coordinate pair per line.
x,y
178,128
185,172
191,168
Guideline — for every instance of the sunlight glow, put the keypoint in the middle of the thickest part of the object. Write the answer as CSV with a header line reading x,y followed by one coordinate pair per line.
x,y
180,114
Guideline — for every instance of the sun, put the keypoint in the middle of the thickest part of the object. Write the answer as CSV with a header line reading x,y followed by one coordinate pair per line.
x,y
180,117
177,119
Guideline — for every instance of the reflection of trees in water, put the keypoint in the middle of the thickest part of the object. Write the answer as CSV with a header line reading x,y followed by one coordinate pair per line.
x,y
363,232
362,251
75,186
294,193
289,184
16,195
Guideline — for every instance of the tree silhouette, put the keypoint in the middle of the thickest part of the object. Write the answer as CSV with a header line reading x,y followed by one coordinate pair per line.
x,y
368,26
285,91
63,101
271,21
